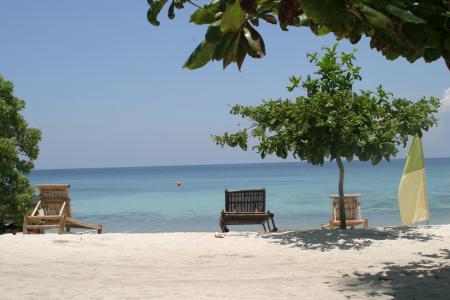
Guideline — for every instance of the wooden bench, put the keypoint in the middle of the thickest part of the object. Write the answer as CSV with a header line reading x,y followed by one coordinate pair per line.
x,y
246,207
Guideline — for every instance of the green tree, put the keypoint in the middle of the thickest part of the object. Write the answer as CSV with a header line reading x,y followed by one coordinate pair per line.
x,y
18,150
332,121
412,29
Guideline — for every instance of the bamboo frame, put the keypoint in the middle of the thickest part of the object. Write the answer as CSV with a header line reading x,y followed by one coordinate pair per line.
x,y
352,212
55,198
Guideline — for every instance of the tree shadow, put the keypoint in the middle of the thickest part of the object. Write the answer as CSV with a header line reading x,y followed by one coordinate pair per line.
x,y
424,279
351,239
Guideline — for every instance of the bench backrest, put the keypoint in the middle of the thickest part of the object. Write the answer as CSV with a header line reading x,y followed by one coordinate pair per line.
x,y
245,200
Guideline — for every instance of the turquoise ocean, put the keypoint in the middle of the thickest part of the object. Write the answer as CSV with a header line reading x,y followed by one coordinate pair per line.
x,y
146,199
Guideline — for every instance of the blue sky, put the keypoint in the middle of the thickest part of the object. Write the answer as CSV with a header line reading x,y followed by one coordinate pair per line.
x,y
108,89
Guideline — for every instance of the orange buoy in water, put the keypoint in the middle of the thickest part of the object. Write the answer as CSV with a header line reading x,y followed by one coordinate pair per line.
x,y
178,183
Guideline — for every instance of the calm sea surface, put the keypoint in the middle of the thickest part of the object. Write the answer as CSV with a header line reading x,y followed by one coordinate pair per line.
x,y
146,199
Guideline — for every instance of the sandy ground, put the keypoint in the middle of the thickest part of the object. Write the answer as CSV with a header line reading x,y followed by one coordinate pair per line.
x,y
382,263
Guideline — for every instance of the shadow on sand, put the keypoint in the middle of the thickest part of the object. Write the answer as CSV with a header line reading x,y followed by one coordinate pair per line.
x,y
424,279
350,239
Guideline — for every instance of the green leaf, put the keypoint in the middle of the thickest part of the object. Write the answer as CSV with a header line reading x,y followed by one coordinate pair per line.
x,y
213,34
447,43
154,10
431,54
404,15
323,30
433,38
240,51
233,17
242,144
229,52
376,158
332,13
200,56
205,15
219,52
416,55
374,17
414,34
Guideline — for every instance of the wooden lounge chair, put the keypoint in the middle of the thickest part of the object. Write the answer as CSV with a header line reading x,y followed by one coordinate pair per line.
x,y
246,207
352,212
53,211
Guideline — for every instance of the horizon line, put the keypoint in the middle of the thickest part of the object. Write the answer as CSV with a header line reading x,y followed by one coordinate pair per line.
x,y
207,164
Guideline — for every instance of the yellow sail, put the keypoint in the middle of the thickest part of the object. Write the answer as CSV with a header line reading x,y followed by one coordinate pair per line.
x,y
412,193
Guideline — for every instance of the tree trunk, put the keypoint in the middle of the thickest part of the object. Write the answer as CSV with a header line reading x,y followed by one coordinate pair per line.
x,y
342,216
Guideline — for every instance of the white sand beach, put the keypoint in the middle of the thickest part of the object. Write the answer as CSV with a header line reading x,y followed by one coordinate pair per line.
x,y
381,263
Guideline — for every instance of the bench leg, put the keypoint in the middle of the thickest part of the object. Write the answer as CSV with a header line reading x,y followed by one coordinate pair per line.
x,y
274,228
222,225
366,224
264,226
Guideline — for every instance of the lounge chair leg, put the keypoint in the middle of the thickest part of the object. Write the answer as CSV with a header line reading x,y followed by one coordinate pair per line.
x,y
100,230
225,228
366,224
25,223
62,224
264,226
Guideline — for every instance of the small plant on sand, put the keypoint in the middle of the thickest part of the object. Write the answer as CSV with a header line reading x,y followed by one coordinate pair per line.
x,y
18,150
332,121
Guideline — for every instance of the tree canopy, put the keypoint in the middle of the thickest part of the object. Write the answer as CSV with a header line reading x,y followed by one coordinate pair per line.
x,y
18,150
332,121
412,29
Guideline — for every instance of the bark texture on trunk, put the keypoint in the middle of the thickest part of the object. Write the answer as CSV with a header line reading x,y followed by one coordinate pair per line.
x,y
342,216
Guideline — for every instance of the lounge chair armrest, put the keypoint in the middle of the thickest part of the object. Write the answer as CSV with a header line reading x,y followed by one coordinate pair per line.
x,y
36,208
62,208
